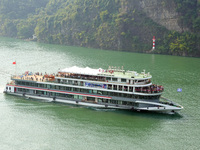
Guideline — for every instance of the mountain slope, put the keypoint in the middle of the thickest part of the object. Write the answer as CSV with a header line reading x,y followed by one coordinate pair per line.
x,y
124,25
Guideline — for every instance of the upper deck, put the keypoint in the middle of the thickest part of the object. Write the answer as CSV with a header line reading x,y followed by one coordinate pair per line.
x,y
113,80
112,76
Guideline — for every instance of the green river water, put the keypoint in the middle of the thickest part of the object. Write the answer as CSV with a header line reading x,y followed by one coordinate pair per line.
x,y
39,125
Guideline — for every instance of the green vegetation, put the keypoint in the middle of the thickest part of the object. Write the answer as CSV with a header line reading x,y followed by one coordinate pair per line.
x,y
106,24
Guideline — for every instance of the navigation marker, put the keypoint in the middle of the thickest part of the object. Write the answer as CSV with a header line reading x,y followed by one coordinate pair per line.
x,y
154,39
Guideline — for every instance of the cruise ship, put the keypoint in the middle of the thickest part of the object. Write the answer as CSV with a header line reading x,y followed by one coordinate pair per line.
x,y
112,88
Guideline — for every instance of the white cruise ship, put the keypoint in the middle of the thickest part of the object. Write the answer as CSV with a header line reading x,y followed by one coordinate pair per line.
x,y
111,88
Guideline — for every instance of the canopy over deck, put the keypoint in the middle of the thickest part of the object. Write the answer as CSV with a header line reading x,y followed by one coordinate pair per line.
x,y
109,72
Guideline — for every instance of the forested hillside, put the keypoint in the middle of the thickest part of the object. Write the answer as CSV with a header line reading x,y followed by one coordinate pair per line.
x,y
124,25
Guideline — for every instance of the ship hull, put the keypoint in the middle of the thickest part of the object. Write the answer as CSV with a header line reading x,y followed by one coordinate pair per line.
x,y
162,109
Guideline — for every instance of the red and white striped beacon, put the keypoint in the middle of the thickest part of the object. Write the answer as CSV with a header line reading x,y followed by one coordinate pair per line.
x,y
154,39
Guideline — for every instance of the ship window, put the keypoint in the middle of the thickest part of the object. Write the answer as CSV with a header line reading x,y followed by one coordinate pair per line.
x,y
104,93
125,88
90,98
68,88
80,97
114,79
131,103
120,88
76,89
75,82
136,96
110,93
130,89
123,80
129,95
62,88
9,88
105,100
69,81
141,97
115,94
40,92
70,96
19,89
6,88
108,78
124,103
56,87
99,100
81,83
110,86
76,96
95,91
58,80
62,95
120,102
113,102
85,90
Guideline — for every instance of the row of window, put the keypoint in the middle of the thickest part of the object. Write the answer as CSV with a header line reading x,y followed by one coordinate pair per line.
x,y
98,78
120,88
104,86
7,88
98,85
94,78
99,92
23,90
88,99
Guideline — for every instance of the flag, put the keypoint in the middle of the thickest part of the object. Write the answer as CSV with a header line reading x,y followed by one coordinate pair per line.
x,y
14,62
179,90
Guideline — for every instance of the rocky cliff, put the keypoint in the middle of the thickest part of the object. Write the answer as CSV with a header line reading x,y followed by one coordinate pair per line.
x,y
163,12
